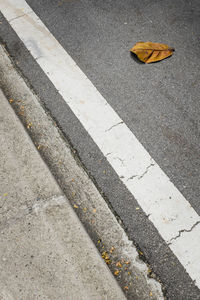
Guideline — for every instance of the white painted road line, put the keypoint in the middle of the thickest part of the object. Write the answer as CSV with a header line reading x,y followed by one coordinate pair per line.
x,y
172,215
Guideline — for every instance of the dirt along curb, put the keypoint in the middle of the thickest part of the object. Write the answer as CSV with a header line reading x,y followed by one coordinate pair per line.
x,y
134,276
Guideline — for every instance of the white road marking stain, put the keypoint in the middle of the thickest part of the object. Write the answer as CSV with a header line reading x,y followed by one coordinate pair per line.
x,y
172,215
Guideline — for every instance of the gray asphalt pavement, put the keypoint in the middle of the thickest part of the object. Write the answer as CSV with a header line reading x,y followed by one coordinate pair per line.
x,y
158,102
80,191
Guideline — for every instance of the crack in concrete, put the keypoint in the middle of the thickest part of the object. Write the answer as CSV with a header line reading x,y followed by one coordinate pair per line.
x,y
183,230
122,122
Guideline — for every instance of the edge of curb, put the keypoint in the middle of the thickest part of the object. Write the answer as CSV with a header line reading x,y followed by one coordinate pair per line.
x,y
134,276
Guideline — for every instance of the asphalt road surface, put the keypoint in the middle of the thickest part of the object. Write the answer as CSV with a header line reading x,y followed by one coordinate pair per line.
x,y
154,105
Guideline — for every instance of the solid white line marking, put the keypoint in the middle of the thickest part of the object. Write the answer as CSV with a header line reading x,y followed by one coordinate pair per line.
x,y
170,212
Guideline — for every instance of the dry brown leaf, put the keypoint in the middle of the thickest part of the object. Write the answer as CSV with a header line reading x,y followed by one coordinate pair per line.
x,y
151,52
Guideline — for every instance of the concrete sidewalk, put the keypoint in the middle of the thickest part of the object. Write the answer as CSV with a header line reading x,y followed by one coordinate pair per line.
x,y
44,250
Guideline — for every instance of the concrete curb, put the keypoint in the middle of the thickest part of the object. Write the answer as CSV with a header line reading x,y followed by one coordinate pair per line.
x,y
46,252
102,226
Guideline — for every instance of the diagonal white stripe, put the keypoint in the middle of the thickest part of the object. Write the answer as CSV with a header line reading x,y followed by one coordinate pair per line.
x,y
169,211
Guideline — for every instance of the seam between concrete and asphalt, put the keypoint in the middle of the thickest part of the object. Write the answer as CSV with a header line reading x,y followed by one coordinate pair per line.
x,y
133,275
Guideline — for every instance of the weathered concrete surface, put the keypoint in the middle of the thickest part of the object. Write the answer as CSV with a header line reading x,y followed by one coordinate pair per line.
x,y
45,253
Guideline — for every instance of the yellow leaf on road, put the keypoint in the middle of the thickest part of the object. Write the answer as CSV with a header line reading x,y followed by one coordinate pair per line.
x,y
151,52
